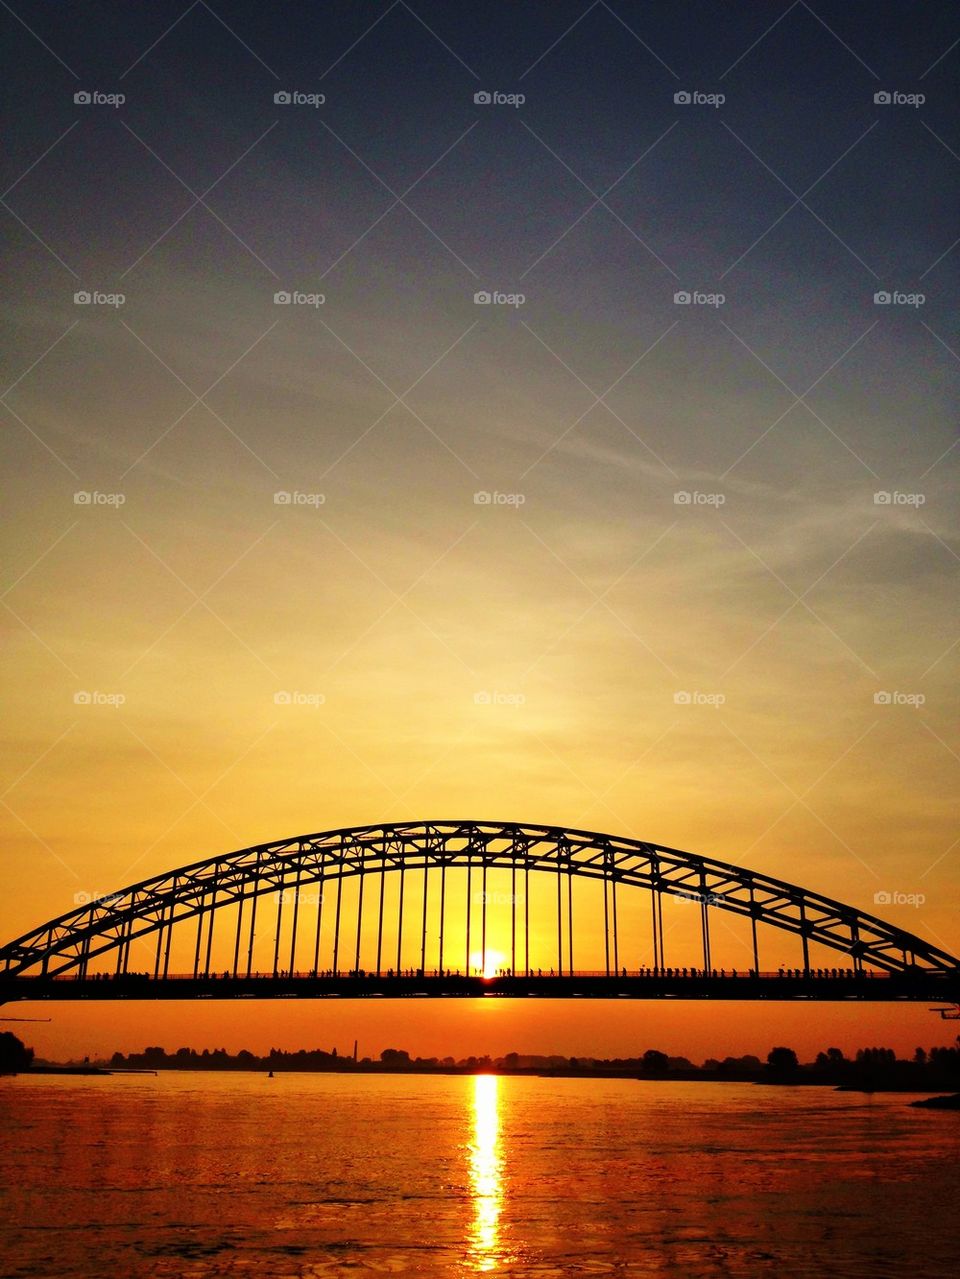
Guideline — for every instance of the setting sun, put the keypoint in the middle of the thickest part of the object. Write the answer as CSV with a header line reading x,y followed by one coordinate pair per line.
x,y
487,965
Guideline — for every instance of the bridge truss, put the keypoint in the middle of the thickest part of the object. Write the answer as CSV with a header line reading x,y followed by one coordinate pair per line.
x,y
133,930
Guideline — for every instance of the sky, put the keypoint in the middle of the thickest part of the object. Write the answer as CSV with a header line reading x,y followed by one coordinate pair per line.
x,y
583,454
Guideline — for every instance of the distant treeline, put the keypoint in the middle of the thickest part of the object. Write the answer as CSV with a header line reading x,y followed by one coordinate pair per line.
x,y
938,1068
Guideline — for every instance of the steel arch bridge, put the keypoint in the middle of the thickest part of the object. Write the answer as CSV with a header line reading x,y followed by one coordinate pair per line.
x,y
120,945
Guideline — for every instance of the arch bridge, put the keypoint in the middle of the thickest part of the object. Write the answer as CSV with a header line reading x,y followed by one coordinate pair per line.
x,y
444,908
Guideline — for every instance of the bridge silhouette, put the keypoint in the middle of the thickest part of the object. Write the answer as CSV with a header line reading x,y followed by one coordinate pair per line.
x,y
444,909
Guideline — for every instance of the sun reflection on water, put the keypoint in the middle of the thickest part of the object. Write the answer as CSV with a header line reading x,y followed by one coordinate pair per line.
x,y
485,1173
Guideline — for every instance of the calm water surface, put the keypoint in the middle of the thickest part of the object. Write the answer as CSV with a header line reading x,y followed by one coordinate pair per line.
x,y
318,1175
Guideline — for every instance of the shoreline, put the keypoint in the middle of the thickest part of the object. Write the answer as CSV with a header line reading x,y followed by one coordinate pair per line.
x,y
935,1094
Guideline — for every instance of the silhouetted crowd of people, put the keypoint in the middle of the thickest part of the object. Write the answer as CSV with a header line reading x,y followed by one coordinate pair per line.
x,y
644,972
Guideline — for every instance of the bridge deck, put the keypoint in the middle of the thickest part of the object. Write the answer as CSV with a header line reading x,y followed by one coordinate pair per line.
x,y
874,987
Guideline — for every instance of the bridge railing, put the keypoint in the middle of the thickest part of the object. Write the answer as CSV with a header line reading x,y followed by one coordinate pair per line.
x,y
632,974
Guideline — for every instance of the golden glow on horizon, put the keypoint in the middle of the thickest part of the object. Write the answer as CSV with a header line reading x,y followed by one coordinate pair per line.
x,y
485,1172
487,964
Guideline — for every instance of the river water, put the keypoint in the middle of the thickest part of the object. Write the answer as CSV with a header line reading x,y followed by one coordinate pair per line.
x,y
320,1175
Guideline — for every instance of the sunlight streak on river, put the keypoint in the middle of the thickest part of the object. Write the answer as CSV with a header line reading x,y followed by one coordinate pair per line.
x,y
485,1173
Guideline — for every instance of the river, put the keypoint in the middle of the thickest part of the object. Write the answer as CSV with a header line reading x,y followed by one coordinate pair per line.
x,y
319,1175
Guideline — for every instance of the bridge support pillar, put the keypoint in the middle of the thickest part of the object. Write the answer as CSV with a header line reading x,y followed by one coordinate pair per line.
x,y
559,918
469,904
423,921
616,938
526,914
513,919
336,920
606,912
400,921
705,923
296,919
443,907
316,941
805,940
253,926
210,923
236,944
196,953
705,930
276,940
156,962
383,885
356,959
483,920
570,919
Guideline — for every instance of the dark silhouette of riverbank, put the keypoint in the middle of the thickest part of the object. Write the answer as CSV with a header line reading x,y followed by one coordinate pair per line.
x,y
871,1069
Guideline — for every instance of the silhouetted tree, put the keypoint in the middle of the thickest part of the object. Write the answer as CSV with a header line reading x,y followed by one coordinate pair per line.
x,y
395,1057
14,1054
782,1061
655,1062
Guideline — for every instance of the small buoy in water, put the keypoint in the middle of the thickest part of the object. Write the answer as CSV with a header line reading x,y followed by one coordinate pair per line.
x,y
270,1074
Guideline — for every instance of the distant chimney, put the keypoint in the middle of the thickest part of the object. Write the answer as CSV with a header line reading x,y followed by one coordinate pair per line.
x,y
354,1050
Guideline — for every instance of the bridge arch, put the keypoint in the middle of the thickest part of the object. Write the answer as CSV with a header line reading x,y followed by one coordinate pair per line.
x,y
110,926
